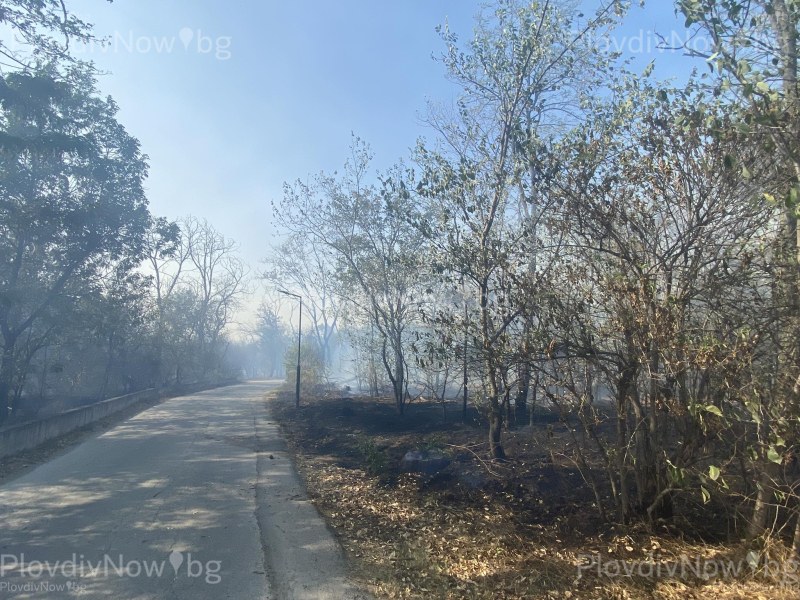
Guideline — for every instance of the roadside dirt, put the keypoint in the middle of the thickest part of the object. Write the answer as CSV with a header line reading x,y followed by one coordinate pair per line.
x,y
523,529
304,560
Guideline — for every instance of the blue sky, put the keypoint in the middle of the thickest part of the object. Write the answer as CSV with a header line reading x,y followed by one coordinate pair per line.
x,y
232,99
223,135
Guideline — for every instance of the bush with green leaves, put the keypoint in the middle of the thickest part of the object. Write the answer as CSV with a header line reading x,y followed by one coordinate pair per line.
x,y
312,367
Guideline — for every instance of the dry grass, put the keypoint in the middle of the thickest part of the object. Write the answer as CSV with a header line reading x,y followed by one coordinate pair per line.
x,y
522,532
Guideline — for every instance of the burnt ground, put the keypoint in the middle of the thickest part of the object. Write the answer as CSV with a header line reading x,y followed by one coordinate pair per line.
x,y
525,528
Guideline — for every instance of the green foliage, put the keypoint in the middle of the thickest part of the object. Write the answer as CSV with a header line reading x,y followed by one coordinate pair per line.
x,y
435,441
72,206
373,253
374,457
44,30
530,73
312,367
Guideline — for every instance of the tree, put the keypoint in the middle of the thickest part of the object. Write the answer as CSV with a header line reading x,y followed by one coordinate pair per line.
x,y
304,266
72,204
118,314
166,256
754,54
181,314
524,78
34,22
218,282
271,339
667,301
375,251
198,281
755,58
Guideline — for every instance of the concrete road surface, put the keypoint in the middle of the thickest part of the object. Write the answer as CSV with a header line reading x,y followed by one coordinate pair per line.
x,y
194,498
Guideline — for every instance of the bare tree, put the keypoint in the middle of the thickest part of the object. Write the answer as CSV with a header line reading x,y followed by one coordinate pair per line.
x,y
375,251
218,279
305,266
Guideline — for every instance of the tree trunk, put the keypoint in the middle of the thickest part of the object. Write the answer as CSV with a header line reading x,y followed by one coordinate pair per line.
x,y
495,413
796,538
6,378
623,502
399,380
466,379
109,367
762,508
373,378
521,399
624,390
495,430
495,410
648,483
533,396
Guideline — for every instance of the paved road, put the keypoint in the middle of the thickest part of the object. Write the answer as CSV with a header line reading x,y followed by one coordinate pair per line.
x,y
181,501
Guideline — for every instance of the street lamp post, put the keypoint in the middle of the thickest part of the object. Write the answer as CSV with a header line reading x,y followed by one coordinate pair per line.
x,y
299,339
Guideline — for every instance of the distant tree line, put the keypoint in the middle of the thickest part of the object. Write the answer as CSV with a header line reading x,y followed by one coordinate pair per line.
x,y
97,296
624,250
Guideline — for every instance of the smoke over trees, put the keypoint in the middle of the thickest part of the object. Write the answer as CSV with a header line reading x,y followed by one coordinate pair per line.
x,y
96,295
622,250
